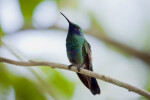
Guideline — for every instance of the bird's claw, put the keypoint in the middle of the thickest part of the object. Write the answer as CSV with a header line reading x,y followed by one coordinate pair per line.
x,y
70,66
78,68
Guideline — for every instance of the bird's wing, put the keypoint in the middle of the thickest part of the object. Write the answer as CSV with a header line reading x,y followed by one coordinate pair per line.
x,y
88,81
86,52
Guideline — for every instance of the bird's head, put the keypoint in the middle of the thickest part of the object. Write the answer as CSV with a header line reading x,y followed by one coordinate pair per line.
x,y
73,28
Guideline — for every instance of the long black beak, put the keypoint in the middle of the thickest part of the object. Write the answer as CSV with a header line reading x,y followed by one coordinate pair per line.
x,y
66,18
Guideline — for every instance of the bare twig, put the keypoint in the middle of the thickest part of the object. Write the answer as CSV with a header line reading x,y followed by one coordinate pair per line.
x,y
83,71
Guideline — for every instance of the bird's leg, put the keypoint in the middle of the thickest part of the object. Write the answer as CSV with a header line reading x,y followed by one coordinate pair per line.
x,y
70,66
79,67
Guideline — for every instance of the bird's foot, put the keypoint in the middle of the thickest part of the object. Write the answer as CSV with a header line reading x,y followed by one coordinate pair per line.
x,y
78,68
70,66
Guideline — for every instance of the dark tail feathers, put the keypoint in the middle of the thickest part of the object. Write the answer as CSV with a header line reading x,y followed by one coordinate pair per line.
x,y
90,83
95,88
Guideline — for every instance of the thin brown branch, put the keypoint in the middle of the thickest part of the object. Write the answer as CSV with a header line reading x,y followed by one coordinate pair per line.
x,y
83,71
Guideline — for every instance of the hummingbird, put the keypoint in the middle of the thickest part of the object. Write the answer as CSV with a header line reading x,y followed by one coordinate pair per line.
x,y
79,54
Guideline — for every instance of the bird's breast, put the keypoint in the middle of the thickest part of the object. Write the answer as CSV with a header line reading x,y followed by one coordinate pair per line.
x,y
72,42
73,46
73,54
72,49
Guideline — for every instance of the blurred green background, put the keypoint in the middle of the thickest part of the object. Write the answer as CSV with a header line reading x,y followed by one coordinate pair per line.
x,y
118,31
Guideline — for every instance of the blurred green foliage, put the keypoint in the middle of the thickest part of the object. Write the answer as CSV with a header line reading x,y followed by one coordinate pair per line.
x,y
4,76
1,35
1,32
24,88
59,84
27,7
67,3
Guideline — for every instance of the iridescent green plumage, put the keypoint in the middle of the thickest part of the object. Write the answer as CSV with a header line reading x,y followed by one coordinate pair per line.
x,y
79,54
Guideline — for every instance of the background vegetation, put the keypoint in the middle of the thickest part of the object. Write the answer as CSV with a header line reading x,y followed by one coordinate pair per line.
x,y
118,31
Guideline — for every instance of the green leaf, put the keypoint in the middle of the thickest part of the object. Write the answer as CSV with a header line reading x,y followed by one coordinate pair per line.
x,y
61,86
27,8
4,76
4,82
67,3
25,90
1,35
147,86
1,32
4,91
